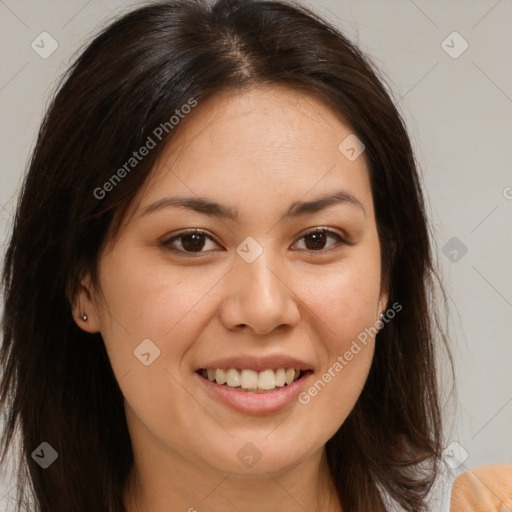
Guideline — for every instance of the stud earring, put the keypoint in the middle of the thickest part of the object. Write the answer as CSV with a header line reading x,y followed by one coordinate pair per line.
x,y
84,317
381,320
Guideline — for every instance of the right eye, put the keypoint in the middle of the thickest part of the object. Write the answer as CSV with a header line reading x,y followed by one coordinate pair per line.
x,y
188,242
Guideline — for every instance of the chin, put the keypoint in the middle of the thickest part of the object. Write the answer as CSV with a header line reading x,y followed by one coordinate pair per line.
x,y
259,454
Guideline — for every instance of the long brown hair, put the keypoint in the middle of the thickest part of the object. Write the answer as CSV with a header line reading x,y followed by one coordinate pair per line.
x,y
57,384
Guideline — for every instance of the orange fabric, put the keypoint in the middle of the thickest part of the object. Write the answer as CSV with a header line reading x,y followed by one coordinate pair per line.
x,y
483,489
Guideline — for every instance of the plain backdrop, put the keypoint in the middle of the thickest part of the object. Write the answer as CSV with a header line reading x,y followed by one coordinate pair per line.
x,y
457,106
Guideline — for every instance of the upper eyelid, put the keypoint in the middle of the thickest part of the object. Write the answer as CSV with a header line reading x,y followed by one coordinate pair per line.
x,y
186,232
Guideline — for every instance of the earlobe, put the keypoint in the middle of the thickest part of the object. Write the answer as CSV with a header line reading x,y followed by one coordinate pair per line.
x,y
383,303
84,308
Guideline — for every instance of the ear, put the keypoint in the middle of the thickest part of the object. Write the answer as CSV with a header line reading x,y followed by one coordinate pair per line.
x,y
383,302
84,305
384,283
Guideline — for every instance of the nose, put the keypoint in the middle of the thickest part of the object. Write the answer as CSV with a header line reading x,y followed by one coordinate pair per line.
x,y
260,296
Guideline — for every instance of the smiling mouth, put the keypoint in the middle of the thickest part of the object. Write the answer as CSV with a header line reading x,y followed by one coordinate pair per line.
x,y
250,381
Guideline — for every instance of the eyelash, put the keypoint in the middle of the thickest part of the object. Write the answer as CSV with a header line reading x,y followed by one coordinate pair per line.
x,y
167,243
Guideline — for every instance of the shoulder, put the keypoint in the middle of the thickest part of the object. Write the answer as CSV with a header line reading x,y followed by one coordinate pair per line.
x,y
486,488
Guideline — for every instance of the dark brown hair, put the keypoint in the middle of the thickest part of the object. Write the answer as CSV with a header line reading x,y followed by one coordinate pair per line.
x,y
57,384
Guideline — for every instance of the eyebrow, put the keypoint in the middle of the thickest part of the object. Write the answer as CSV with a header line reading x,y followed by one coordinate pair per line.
x,y
213,209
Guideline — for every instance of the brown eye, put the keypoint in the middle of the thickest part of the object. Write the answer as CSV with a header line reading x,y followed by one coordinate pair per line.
x,y
190,242
194,242
316,240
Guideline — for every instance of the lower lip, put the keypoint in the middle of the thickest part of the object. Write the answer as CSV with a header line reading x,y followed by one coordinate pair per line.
x,y
255,403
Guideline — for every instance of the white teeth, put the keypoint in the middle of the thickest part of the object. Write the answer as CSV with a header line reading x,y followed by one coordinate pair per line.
x,y
290,375
245,379
220,376
267,379
249,379
232,378
280,377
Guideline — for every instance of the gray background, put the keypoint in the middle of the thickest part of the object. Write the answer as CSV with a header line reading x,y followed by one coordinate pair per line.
x,y
458,111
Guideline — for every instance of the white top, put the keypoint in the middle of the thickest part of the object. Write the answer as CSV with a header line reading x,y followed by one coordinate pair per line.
x,y
439,496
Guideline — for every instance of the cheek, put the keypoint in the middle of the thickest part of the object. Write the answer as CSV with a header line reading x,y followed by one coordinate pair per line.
x,y
157,302
168,307
344,305
346,353
332,395
345,298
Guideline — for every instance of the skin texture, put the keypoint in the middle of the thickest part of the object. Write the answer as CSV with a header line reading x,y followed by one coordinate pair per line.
x,y
256,151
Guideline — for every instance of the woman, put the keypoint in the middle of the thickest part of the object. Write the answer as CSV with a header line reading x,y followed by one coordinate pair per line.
x,y
218,288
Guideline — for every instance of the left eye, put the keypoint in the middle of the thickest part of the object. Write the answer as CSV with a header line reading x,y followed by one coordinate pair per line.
x,y
318,238
194,241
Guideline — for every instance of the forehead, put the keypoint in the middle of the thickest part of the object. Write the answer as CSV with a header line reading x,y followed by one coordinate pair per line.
x,y
270,141
266,120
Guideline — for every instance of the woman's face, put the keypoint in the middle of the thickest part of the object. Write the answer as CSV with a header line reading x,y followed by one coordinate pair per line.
x,y
260,291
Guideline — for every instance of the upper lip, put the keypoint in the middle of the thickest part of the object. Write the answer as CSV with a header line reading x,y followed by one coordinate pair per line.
x,y
257,363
